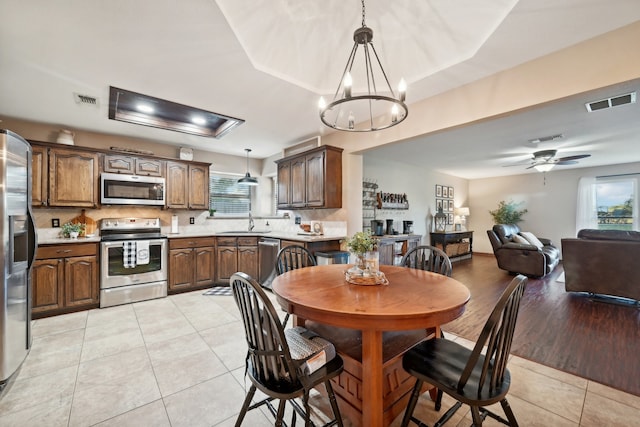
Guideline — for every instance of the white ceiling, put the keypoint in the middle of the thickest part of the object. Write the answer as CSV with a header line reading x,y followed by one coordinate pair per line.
x,y
268,62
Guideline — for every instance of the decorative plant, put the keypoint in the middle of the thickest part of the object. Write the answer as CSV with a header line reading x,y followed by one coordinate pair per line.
x,y
507,213
361,243
71,227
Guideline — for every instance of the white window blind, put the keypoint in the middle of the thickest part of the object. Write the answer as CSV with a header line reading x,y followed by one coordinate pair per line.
x,y
226,196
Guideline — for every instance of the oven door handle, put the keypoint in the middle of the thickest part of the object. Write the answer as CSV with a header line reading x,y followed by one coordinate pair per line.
x,y
120,243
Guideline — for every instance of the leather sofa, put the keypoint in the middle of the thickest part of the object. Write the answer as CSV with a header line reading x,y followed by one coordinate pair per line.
x,y
605,262
522,258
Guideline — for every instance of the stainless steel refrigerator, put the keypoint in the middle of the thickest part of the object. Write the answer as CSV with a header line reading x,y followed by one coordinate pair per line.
x,y
19,242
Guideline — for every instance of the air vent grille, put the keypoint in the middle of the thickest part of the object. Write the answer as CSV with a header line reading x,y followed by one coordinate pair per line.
x,y
628,98
85,99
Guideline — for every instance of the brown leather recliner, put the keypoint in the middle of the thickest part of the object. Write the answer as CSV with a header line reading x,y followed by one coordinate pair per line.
x,y
522,258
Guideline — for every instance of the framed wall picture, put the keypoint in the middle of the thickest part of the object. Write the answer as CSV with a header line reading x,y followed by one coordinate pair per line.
x,y
438,190
450,218
439,205
450,206
451,192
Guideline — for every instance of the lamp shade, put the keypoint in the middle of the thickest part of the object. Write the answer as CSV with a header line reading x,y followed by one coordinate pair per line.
x,y
462,211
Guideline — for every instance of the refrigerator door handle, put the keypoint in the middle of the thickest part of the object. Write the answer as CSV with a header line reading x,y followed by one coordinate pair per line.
x,y
33,238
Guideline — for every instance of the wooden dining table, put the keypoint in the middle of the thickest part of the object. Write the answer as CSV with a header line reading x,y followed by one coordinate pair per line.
x,y
412,299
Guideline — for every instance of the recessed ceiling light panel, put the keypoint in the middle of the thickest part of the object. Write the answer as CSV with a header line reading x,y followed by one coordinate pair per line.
x,y
147,110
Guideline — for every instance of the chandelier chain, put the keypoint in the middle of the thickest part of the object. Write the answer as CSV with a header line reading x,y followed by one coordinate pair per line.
x,y
363,24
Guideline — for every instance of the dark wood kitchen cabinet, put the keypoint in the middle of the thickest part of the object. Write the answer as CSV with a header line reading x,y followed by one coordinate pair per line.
x,y
131,165
187,186
235,254
65,278
310,180
191,263
39,182
73,178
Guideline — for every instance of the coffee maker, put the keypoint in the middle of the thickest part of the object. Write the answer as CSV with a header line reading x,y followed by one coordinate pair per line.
x,y
407,227
377,227
389,227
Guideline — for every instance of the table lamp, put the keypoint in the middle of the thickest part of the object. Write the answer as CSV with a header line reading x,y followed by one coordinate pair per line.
x,y
462,212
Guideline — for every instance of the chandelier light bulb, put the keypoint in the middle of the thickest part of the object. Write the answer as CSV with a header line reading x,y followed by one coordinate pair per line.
x,y
348,83
402,89
394,113
352,120
322,103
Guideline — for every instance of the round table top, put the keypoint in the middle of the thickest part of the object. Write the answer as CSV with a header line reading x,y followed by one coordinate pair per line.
x,y
412,299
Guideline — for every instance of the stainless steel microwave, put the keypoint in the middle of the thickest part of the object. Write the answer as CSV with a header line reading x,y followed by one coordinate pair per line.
x,y
117,189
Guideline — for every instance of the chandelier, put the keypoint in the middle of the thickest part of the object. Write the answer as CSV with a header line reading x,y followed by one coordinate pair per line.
x,y
369,111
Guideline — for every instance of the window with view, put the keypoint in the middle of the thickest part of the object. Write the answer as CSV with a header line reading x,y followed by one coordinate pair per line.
x,y
226,196
616,203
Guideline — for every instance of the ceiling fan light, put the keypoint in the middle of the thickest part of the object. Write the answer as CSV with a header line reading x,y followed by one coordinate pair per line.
x,y
544,167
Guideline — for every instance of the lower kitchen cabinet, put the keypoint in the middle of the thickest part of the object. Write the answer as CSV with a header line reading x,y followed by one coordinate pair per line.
x,y
65,278
235,254
191,263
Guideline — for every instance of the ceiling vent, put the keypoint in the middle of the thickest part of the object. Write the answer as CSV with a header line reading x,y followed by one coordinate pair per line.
x,y
85,99
628,98
547,138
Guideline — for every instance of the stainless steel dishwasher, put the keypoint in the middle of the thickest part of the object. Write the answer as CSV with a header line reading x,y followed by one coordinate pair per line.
x,y
267,252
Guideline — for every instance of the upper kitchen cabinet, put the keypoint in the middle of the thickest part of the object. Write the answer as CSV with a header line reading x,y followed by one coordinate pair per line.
x,y
131,165
39,162
312,179
187,186
73,178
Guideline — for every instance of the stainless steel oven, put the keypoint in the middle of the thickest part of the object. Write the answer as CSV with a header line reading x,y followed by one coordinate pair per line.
x,y
133,261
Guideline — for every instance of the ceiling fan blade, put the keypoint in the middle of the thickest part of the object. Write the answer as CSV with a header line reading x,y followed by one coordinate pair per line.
x,y
566,162
576,157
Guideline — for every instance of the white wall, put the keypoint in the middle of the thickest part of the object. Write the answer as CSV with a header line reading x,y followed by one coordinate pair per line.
x,y
419,185
551,206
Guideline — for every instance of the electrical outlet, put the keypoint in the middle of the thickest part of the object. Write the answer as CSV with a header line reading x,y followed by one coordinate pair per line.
x,y
298,220
192,220
55,222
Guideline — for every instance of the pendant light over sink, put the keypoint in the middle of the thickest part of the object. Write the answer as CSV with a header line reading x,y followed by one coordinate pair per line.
x,y
248,179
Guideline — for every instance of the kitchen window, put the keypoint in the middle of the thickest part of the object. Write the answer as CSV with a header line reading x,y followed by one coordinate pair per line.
x,y
228,197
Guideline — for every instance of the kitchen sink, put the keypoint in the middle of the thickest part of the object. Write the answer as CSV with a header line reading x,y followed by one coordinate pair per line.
x,y
245,232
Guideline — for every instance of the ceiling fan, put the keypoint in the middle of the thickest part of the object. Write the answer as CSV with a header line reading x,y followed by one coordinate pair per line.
x,y
545,160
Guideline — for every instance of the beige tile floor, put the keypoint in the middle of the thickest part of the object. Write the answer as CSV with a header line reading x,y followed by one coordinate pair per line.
x,y
179,361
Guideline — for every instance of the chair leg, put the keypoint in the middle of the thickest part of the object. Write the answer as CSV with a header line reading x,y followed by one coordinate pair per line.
x,y
411,405
245,405
509,413
475,414
307,410
333,402
280,416
438,400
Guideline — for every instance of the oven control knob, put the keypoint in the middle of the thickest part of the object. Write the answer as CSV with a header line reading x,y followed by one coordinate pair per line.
x,y
107,223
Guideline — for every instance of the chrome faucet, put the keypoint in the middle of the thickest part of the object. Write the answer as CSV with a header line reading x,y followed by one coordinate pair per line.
x,y
251,225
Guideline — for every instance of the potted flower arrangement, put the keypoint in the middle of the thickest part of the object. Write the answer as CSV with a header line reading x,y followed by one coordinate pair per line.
x,y
72,230
360,244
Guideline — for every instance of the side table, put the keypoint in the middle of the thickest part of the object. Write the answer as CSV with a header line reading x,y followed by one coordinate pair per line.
x,y
457,245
